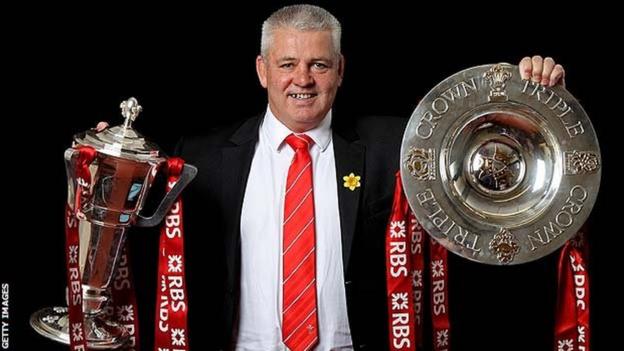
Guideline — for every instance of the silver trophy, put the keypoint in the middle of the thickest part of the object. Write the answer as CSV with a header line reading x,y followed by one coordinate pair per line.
x,y
121,176
498,169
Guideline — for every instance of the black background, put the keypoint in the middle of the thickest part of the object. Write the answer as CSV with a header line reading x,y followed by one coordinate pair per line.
x,y
192,68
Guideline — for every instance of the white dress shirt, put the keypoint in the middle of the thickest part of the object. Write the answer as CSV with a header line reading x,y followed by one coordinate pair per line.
x,y
260,317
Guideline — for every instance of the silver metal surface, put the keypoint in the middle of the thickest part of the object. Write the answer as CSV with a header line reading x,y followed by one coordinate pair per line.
x,y
102,334
498,169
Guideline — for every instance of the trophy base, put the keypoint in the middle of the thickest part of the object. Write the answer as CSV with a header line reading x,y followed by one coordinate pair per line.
x,y
53,323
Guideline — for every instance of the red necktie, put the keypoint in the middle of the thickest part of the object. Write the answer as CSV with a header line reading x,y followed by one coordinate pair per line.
x,y
299,313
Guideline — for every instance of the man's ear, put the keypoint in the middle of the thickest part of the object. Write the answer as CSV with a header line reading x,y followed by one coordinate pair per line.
x,y
261,71
341,63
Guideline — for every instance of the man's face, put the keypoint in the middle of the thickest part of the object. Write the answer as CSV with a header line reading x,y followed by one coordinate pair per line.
x,y
301,74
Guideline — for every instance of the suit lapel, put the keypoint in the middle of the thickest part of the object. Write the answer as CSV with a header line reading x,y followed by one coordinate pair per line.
x,y
349,157
235,167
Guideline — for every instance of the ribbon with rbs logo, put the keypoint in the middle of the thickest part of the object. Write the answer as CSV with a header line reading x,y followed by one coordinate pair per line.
x,y
572,314
405,266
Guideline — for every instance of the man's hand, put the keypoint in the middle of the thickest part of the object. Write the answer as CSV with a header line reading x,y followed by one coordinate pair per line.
x,y
543,71
101,126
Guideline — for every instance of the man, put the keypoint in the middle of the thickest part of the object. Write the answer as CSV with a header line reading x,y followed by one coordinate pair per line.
x,y
271,198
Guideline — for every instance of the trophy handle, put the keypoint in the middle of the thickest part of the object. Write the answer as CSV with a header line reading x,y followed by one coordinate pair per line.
x,y
188,173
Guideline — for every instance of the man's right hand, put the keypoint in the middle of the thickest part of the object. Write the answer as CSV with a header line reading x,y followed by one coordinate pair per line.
x,y
101,126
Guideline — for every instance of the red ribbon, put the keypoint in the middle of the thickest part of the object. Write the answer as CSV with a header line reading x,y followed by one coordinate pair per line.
x,y
572,330
572,316
77,336
171,331
405,267
441,327
398,278
86,155
417,236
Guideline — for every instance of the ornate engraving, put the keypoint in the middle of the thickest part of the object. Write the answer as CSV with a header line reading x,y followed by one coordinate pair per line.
x,y
130,109
497,167
421,163
581,162
51,319
496,78
504,246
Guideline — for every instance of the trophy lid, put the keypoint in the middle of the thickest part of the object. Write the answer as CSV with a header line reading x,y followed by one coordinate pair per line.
x,y
122,140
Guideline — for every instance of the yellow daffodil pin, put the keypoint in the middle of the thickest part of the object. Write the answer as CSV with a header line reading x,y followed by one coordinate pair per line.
x,y
351,181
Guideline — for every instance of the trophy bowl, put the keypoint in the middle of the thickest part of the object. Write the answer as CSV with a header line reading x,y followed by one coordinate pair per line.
x,y
497,169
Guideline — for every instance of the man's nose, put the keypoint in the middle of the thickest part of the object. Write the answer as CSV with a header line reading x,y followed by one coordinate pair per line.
x,y
303,77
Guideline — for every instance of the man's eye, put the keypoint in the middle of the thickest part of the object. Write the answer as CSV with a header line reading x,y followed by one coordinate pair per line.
x,y
319,65
286,65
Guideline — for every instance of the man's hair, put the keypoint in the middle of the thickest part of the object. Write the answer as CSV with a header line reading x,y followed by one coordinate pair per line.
x,y
303,18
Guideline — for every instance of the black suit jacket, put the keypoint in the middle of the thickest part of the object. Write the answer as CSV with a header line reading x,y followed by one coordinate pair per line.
x,y
368,147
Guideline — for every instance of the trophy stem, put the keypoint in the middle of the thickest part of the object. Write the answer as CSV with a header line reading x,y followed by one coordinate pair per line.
x,y
100,249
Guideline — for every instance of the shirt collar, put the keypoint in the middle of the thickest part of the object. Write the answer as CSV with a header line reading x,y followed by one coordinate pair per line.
x,y
276,131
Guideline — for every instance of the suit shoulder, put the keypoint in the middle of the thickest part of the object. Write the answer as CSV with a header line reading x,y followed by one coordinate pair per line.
x,y
213,139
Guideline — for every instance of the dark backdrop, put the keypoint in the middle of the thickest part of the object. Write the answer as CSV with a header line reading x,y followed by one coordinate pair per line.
x,y
192,68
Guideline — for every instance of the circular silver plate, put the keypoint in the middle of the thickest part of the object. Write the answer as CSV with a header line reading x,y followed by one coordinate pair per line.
x,y
498,169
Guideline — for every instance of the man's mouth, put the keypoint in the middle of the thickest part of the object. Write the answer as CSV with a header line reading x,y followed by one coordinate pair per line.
x,y
302,96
